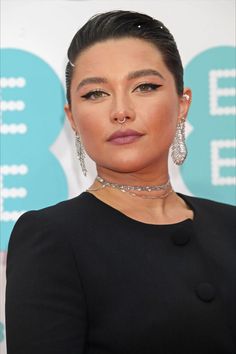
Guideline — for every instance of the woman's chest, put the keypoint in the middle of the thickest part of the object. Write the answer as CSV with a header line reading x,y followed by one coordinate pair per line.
x,y
148,294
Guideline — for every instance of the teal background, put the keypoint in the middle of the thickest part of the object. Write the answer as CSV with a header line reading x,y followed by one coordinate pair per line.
x,y
44,98
197,169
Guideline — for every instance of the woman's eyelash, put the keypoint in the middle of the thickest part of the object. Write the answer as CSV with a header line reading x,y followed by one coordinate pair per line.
x,y
93,95
147,87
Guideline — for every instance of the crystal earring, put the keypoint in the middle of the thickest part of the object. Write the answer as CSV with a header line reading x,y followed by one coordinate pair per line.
x,y
80,153
178,147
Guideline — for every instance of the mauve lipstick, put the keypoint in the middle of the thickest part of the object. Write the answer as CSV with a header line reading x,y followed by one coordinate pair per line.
x,y
124,137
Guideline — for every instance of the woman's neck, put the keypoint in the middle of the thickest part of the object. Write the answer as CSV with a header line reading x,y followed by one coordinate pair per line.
x,y
154,207
138,178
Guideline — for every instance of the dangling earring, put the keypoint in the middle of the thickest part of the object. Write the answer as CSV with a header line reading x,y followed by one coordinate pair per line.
x,y
80,153
178,147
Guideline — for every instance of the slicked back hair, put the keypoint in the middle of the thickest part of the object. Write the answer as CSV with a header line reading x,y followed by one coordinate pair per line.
x,y
125,24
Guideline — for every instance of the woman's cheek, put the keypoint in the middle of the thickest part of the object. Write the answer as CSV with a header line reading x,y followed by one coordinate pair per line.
x,y
155,116
80,116
91,128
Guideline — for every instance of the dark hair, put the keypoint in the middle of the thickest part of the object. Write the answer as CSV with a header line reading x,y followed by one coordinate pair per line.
x,y
120,24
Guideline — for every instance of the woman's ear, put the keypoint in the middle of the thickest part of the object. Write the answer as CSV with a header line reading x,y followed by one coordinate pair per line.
x,y
69,115
185,101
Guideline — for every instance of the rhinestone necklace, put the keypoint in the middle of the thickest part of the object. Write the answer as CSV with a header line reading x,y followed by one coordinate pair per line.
x,y
132,189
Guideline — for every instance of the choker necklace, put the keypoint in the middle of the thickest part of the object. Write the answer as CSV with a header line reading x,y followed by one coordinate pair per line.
x,y
132,189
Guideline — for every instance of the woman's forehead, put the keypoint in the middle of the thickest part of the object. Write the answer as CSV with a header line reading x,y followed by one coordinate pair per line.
x,y
122,55
121,46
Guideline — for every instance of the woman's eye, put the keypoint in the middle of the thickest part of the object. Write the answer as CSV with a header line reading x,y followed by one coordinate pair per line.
x,y
93,95
147,87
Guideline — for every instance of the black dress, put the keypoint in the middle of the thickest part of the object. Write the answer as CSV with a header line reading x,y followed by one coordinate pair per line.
x,y
83,278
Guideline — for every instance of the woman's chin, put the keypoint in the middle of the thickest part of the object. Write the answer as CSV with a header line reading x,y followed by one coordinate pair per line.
x,y
129,166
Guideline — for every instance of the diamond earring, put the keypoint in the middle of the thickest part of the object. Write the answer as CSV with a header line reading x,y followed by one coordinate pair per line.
x,y
80,153
178,147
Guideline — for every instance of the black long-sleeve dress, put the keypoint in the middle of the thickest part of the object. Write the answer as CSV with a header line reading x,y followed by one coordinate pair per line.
x,y
83,278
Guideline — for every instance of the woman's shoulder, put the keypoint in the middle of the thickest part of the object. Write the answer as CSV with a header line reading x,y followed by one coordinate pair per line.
x,y
79,203
77,207
210,209
207,202
56,219
52,227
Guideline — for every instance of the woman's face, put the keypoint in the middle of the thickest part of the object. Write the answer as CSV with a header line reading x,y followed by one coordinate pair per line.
x,y
125,78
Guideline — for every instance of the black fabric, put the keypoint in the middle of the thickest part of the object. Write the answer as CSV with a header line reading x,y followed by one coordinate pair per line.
x,y
83,278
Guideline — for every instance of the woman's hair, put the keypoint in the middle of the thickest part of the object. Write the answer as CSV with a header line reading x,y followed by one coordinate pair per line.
x,y
123,24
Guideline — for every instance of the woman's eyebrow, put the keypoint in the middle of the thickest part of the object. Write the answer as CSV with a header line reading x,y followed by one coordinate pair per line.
x,y
144,72
91,80
130,76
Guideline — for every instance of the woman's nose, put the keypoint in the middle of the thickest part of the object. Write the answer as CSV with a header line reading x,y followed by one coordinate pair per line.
x,y
122,112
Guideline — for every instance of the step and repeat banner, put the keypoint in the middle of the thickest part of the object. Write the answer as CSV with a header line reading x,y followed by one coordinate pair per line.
x,y
38,160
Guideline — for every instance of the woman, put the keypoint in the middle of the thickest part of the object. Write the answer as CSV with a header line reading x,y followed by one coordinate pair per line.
x,y
129,266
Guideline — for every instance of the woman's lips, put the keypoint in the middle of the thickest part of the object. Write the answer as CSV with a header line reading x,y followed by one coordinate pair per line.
x,y
124,137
